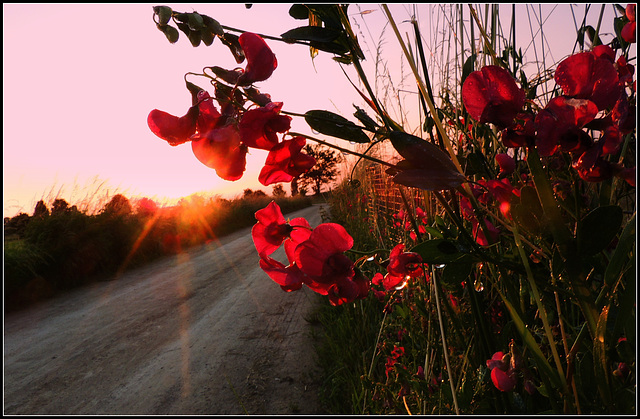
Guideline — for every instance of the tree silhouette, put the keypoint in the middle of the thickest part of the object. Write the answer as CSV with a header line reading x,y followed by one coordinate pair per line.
x,y
278,191
59,206
40,210
119,205
324,171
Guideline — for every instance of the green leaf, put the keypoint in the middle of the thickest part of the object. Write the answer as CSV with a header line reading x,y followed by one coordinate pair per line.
x,y
623,253
467,67
207,37
421,153
299,11
311,33
170,32
193,20
425,166
213,25
439,251
163,13
231,41
329,123
600,362
598,228
541,361
455,273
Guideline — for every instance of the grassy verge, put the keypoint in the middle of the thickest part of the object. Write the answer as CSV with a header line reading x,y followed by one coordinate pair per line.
x,y
50,252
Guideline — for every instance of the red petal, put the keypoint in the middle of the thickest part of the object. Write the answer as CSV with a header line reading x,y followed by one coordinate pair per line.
x,y
259,126
502,380
628,32
172,129
261,61
221,149
285,161
574,75
288,277
271,229
491,95
325,241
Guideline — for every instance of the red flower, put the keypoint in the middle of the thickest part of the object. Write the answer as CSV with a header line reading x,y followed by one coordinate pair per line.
x,y
560,123
285,162
481,238
503,380
172,129
348,290
521,133
261,61
272,230
590,76
222,150
628,32
402,266
629,175
321,257
507,164
503,192
491,95
258,127
290,278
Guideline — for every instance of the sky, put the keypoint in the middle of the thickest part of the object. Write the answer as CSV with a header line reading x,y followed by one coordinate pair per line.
x,y
79,81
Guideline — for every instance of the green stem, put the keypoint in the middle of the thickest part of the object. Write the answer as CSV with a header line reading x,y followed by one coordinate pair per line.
x,y
541,310
563,239
444,345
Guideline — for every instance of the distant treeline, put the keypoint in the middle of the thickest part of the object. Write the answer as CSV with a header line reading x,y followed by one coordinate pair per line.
x,y
59,247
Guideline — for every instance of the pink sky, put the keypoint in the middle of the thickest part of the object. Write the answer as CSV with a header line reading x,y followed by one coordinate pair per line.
x,y
80,79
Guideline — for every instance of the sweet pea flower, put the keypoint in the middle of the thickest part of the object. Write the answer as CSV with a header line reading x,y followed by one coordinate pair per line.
x,y
559,125
506,163
290,278
502,380
258,127
491,95
175,130
261,61
272,230
521,133
221,149
402,267
592,76
479,234
628,31
321,257
285,161
502,375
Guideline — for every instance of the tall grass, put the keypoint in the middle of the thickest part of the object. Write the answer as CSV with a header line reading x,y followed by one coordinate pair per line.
x,y
446,342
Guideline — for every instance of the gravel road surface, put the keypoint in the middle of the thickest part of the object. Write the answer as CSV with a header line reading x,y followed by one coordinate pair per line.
x,y
202,332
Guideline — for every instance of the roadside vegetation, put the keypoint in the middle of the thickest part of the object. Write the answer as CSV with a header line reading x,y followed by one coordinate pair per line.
x,y
59,247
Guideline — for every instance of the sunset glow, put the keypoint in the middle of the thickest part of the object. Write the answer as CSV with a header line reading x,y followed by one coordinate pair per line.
x,y
76,102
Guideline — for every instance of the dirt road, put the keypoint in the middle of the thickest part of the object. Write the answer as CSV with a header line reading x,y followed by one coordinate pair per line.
x,y
204,332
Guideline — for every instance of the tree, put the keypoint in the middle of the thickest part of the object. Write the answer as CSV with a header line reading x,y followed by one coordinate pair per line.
x,y
278,191
59,206
119,205
324,171
40,210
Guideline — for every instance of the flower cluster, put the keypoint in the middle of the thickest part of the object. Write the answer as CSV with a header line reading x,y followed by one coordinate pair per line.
x,y
221,139
595,99
316,256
